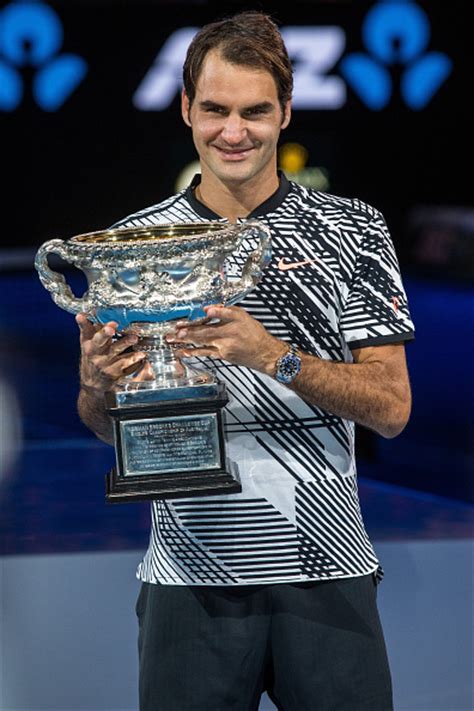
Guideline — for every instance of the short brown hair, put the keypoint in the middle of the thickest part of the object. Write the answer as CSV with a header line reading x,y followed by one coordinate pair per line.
x,y
250,39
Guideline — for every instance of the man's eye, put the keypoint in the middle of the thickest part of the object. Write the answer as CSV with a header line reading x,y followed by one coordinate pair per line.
x,y
255,112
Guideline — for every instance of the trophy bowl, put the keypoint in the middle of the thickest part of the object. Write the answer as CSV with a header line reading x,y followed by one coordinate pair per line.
x,y
146,278
169,430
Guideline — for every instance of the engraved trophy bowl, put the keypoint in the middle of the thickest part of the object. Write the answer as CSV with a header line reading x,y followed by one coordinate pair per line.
x,y
147,278
169,431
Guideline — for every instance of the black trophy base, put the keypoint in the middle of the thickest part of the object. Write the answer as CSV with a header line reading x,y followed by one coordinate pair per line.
x,y
169,443
210,483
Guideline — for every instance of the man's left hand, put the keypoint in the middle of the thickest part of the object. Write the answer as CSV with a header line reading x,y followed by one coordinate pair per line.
x,y
229,333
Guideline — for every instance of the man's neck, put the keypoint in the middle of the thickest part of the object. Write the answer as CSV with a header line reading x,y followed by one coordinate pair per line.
x,y
234,201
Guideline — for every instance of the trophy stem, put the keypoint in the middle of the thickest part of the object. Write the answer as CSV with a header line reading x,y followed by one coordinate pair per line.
x,y
169,371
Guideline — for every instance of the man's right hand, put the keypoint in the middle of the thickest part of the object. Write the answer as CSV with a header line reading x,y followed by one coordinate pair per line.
x,y
103,360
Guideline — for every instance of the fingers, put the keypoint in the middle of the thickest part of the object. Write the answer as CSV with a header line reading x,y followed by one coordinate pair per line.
x,y
121,344
145,373
86,328
202,351
197,322
206,337
194,334
101,341
225,314
98,335
103,337
235,336
119,367
103,359
129,365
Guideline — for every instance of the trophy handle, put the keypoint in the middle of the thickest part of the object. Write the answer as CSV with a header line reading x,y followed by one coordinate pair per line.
x,y
256,262
55,282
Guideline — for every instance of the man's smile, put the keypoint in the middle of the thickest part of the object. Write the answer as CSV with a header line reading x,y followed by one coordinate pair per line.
x,y
233,154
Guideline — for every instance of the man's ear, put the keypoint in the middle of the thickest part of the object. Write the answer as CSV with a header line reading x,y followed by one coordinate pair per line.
x,y
185,107
287,114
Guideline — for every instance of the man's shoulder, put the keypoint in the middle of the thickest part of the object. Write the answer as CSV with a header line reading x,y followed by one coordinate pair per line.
x,y
168,210
331,205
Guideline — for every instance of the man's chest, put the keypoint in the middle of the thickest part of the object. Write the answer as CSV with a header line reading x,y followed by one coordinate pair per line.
x,y
303,287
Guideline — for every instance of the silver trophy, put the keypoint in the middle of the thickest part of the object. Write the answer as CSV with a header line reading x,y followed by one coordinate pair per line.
x,y
168,431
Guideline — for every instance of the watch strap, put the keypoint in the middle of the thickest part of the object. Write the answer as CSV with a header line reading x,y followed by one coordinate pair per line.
x,y
288,366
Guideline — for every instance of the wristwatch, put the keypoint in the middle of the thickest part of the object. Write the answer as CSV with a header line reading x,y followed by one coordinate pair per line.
x,y
288,366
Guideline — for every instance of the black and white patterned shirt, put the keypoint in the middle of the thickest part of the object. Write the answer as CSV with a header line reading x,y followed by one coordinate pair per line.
x,y
298,516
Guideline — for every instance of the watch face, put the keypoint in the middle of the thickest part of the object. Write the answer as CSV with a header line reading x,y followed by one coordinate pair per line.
x,y
288,367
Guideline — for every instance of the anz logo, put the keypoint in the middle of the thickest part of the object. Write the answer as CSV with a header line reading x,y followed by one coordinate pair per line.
x,y
31,36
394,33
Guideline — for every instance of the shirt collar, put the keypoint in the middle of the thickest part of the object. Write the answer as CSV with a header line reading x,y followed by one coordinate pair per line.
x,y
269,205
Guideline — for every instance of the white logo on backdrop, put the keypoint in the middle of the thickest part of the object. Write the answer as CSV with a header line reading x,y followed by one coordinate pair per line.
x,y
314,52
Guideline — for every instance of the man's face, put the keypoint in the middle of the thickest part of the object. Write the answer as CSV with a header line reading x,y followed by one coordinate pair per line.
x,y
236,120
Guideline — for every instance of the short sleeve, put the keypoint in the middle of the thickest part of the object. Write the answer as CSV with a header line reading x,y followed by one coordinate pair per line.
x,y
376,309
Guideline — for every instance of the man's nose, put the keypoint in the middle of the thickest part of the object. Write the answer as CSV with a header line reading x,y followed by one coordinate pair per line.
x,y
234,130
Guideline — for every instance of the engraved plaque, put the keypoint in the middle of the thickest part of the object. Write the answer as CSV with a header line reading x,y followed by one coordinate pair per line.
x,y
187,443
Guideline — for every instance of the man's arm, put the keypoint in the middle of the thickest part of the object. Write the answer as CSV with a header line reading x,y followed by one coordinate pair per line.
x,y
90,405
103,362
374,391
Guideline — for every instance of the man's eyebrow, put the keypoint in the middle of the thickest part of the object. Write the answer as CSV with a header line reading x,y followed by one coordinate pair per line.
x,y
207,104
262,106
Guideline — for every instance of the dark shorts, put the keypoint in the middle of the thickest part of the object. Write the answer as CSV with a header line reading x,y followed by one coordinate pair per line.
x,y
311,646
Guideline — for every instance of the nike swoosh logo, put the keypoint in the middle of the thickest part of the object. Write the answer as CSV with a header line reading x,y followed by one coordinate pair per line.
x,y
284,266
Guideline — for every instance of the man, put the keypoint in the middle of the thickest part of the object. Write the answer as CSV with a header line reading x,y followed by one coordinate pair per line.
x,y
274,588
